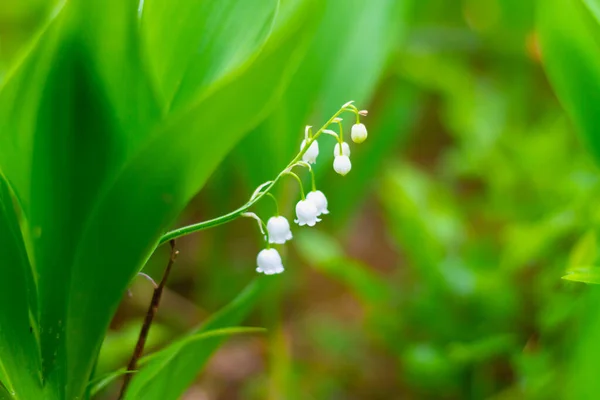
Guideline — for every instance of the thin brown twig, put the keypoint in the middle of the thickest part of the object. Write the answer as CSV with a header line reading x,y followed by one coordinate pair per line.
x,y
152,309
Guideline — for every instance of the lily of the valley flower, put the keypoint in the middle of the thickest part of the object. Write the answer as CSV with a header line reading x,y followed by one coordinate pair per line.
x,y
311,154
345,149
269,262
307,213
342,164
359,133
279,230
319,200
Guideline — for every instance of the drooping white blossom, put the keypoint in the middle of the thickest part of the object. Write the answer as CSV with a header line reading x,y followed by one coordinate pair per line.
x,y
311,154
279,230
319,200
269,262
342,164
306,213
359,133
345,149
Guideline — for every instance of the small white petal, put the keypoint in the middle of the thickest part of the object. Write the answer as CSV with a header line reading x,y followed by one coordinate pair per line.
x,y
306,213
342,164
359,133
319,200
345,149
311,154
348,103
269,262
279,230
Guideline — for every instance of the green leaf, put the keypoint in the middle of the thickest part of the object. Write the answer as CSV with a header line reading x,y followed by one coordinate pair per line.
x,y
571,51
582,259
584,274
189,42
581,382
163,359
585,251
169,372
97,385
101,173
594,8
19,349
341,64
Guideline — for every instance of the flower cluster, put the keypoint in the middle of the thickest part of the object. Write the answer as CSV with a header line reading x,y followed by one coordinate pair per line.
x,y
311,206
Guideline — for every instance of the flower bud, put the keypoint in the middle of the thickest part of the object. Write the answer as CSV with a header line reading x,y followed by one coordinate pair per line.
x,y
279,230
342,164
319,200
345,149
269,262
311,154
359,133
307,213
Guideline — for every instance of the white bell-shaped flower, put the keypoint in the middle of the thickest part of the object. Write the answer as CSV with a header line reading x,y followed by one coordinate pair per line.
x,y
269,262
311,154
279,230
342,164
307,213
359,133
319,200
345,149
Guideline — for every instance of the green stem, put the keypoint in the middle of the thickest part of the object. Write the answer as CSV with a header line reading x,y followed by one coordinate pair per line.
x,y
266,234
223,219
341,136
312,177
299,183
276,205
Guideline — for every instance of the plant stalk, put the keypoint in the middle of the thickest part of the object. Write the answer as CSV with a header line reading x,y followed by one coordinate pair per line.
x,y
150,314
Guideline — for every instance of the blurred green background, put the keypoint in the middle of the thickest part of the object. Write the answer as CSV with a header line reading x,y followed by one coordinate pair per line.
x,y
437,274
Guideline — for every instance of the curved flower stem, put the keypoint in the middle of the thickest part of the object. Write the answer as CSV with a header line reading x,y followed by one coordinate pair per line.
x,y
312,178
341,135
274,201
299,183
186,230
332,133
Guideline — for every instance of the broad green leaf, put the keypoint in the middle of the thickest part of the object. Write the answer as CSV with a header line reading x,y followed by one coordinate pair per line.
x,y
341,64
19,349
99,384
594,7
189,42
169,372
162,360
117,345
64,138
100,173
571,51
158,182
583,274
